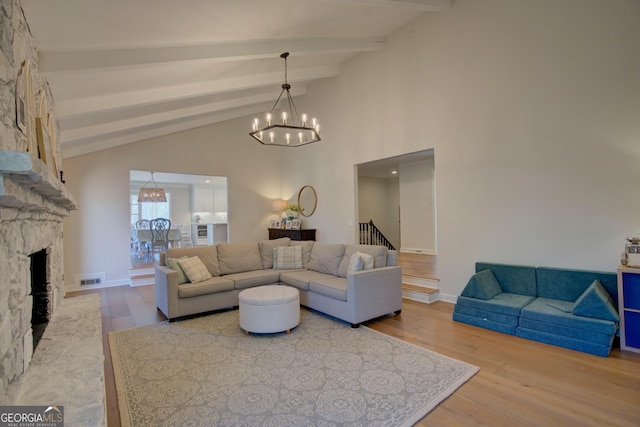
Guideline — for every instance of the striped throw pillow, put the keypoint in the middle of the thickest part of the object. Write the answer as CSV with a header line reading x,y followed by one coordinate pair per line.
x,y
287,258
194,269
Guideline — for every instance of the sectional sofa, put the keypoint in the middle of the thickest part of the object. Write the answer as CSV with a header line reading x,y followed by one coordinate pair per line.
x,y
569,308
353,283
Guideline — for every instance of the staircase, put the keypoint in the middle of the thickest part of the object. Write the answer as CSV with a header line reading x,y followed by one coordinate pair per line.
x,y
419,277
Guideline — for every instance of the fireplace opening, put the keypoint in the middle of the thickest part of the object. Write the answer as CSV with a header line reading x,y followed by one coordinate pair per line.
x,y
40,293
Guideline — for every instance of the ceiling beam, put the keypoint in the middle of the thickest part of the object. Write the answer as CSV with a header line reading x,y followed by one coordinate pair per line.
x,y
101,143
97,104
74,136
65,61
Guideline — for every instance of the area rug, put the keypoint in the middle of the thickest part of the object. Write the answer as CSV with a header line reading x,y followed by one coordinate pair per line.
x,y
206,371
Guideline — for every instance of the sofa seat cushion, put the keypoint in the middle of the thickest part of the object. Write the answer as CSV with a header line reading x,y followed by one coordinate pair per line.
x,y
210,286
504,303
301,278
239,257
486,319
558,312
249,279
335,287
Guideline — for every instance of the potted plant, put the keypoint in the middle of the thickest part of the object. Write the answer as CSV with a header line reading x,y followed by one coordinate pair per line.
x,y
292,211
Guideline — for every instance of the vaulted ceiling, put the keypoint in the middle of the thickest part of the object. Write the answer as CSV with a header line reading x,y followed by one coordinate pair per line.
x,y
122,71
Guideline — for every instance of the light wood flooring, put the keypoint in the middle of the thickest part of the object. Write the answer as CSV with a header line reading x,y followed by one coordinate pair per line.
x,y
520,383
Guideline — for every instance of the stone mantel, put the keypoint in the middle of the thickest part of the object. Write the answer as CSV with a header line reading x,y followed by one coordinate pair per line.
x,y
28,183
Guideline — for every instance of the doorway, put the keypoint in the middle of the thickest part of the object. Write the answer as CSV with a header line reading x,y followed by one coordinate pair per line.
x,y
193,201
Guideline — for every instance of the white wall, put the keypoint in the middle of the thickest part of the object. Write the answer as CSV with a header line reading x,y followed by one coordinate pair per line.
x,y
417,201
533,110
96,237
531,106
379,200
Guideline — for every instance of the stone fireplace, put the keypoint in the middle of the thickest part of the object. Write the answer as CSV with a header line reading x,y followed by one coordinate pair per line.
x,y
33,203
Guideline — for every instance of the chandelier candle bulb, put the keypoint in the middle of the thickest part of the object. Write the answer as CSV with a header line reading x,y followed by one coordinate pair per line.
x,y
292,123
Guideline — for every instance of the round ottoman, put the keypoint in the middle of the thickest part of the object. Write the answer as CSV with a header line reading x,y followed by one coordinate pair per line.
x,y
268,309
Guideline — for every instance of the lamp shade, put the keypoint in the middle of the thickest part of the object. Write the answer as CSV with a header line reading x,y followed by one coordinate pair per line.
x,y
151,194
279,205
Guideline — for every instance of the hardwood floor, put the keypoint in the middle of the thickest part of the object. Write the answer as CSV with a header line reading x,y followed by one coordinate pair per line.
x,y
521,382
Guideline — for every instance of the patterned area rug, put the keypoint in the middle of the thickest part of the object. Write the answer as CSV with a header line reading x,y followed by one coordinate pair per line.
x,y
206,371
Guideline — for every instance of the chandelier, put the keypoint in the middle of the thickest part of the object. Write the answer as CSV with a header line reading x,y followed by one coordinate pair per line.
x,y
151,194
283,125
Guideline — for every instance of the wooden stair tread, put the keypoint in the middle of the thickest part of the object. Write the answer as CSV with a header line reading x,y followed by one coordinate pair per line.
x,y
421,289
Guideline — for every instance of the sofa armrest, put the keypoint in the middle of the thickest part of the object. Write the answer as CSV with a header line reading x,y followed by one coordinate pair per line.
x,y
375,292
166,291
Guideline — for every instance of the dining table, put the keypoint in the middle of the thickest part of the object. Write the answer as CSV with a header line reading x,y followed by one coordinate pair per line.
x,y
144,235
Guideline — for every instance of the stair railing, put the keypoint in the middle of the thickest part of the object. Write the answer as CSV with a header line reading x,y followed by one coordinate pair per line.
x,y
371,235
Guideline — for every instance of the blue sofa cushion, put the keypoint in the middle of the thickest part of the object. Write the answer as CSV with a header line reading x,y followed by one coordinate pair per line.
x,y
504,303
513,279
596,302
568,285
558,312
482,285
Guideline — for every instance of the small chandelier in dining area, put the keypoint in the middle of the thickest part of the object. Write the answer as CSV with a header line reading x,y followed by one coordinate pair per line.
x,y
151,194
283,125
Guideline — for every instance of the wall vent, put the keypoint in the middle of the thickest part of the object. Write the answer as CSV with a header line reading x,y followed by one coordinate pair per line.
x,y
94,279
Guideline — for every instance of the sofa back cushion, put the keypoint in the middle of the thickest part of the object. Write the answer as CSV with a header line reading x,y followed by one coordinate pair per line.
x,y
379,254
266,250
239,257
307,246
207,254
326,257
513,279
567,285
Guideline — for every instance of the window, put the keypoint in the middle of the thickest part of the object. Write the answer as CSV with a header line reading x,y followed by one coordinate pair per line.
x,y
149,210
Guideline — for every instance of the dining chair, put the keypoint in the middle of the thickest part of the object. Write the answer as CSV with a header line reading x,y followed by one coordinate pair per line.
x,y
142,247
159,233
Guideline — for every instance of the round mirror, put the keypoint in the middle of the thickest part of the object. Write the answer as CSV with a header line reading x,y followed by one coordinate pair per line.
x,y
307,200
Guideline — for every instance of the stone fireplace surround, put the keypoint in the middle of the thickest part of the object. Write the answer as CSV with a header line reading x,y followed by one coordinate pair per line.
x,y
33,203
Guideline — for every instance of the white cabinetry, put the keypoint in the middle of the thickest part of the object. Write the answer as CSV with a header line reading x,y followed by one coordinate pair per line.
x,y
203,199
220,199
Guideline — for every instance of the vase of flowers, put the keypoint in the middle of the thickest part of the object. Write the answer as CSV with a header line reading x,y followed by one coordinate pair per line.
x,y
292,211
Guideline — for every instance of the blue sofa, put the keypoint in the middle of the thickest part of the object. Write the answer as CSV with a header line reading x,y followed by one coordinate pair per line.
x,y
569,308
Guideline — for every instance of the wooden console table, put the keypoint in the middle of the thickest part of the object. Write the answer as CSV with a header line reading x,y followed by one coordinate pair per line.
x,y
304,234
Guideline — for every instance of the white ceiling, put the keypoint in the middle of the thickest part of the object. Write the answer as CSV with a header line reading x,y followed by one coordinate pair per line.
x,y
122,71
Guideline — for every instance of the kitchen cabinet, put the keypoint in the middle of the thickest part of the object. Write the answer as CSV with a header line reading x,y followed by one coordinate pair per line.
x,y
220,199
203,199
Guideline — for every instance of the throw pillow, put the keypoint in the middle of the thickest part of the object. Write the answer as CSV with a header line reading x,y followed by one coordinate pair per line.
x,y
596,302
194,269
482,285
367,260
355,263
287,258
172,263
